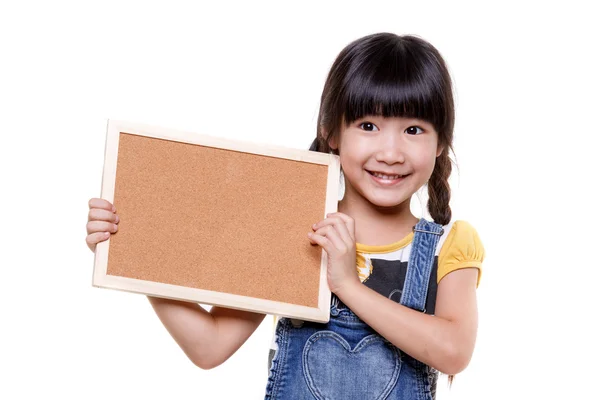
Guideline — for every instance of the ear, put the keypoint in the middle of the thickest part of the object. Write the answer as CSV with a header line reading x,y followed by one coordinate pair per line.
x,y
333,143
440,149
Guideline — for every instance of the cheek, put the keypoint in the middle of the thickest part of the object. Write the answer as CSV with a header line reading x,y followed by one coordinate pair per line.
x,y
350,165
354,157
426,161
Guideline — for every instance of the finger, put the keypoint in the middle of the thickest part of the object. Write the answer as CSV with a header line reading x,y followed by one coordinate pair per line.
x,y
99,214
100,226
102,203
333,236
96,238
346,219
322,223
340,227
349,221
322,241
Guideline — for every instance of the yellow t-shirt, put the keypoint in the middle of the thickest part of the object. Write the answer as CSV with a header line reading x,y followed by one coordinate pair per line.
x,y
459,247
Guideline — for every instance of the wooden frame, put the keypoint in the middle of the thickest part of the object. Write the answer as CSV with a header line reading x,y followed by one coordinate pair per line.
x,y
118,131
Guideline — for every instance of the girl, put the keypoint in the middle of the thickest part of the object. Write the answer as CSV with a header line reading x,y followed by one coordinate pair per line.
x,y
404,301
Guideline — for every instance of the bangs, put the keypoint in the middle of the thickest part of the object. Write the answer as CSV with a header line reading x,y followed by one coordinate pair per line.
x,y
393,83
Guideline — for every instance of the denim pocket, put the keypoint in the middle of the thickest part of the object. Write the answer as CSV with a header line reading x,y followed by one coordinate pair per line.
x,y
333,370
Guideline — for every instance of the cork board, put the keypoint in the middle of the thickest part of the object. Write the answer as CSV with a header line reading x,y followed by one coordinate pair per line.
x,y
216,221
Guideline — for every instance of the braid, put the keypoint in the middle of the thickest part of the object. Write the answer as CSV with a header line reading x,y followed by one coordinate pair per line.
x,y
438,189
438,204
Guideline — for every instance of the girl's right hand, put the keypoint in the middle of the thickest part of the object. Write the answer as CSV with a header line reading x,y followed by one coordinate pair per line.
x,y
102,221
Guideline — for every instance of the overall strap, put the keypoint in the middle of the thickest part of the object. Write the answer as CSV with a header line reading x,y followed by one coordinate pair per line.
x,y
422,254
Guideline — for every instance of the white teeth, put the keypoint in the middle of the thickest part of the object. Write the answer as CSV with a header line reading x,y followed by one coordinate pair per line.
x,y
388,177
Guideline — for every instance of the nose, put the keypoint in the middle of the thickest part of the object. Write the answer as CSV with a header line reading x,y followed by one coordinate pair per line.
x,y
390,148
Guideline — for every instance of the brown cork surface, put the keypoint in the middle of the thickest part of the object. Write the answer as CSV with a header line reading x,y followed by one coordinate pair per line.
x,y
216,219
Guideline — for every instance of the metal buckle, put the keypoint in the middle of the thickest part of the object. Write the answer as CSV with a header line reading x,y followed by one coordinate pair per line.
x,y
421,230
297,323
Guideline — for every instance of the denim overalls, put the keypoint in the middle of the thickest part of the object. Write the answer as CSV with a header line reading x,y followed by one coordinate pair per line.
x,y
346,359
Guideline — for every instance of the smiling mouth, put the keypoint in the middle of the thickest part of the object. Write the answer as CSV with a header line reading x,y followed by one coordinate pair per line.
x,y
385,176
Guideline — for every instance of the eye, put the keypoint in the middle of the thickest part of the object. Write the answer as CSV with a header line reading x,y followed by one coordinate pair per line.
x,y
368,126
412,130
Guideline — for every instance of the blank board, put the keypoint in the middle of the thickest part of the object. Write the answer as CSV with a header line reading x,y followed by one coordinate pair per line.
x,y
216,221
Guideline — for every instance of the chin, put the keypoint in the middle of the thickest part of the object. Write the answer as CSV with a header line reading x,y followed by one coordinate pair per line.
x,y
387,203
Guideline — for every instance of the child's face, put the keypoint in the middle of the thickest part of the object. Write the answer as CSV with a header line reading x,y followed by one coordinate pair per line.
x,y
391,146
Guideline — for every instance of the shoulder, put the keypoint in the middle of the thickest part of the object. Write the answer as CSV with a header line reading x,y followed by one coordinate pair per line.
x,y
461,247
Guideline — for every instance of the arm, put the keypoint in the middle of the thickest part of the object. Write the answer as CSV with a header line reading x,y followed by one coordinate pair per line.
x,y
207,338
444,341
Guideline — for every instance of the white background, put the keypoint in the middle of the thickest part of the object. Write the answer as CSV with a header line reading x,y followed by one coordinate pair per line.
x,y
527,86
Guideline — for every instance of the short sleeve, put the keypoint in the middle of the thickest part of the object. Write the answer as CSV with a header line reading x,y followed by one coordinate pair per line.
x,y
462,249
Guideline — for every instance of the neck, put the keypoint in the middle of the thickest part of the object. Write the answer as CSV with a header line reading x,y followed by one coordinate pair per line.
x,y
376,225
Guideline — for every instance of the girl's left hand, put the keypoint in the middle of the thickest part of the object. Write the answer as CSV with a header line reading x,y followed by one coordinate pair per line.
x,y
335,234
